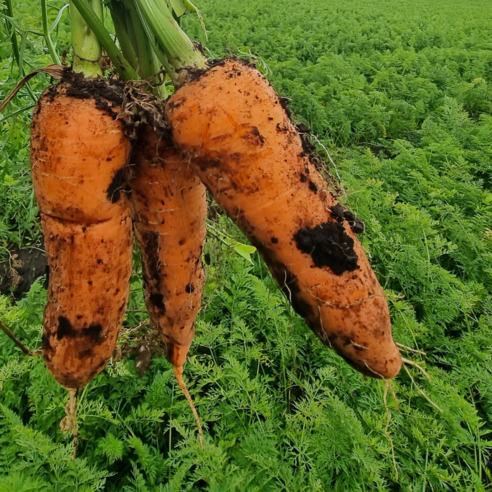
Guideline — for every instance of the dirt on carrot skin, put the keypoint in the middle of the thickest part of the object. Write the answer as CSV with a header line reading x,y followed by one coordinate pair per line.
x,y
117,185
78,151
107,93
150,255
340,214
190,75
85,308
328,245
248,140
309,149
169,211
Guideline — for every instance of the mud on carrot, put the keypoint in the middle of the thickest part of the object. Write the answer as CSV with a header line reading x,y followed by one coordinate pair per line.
x,y
78,153
242,144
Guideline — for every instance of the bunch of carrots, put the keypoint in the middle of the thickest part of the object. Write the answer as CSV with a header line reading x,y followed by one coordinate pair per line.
x,y
111,154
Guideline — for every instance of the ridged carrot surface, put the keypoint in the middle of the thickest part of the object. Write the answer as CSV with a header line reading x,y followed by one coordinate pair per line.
x,y
78,152
245,149
169,209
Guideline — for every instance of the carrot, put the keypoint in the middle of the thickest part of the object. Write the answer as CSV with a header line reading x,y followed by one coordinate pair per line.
x,y
78,152
169,211
231,124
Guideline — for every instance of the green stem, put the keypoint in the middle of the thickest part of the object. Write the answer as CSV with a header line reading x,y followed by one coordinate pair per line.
x,y
21,65
124,35
47,37
161,90
15,48
95,24
134,42
15,113
11,335
136,37
181,53
86,48
143,49
13,37
161,57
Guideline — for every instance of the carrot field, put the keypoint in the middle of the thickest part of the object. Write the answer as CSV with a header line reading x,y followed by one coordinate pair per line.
x,y
397,96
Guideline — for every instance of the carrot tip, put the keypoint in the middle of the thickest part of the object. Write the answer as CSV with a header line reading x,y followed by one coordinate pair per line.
x,y
69,422
178,373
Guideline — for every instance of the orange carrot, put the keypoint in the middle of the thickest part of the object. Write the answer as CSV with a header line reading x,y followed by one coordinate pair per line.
x,y
169,210
78,155
241,143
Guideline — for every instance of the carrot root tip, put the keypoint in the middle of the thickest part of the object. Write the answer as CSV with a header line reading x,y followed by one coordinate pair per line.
x,y
178,373
389,386
69,422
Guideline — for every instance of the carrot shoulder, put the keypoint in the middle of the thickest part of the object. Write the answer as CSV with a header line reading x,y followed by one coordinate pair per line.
x,y
78,152
245,149
169,210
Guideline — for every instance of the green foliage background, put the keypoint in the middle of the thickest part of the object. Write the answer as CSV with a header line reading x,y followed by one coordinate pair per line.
x,y
398,93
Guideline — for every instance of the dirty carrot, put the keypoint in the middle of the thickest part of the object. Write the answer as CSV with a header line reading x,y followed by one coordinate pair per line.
x,y
246,150
169,209
78,152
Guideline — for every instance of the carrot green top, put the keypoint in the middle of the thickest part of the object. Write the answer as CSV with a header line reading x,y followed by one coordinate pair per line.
x,y
148,35
86,47
82,41
170,42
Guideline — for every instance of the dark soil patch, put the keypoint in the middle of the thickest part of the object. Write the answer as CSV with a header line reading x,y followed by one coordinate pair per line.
x,y
107,93
117,184
337,212
340,214
65,329
20,269
150,254
356,224
157,300
328,245
195,73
